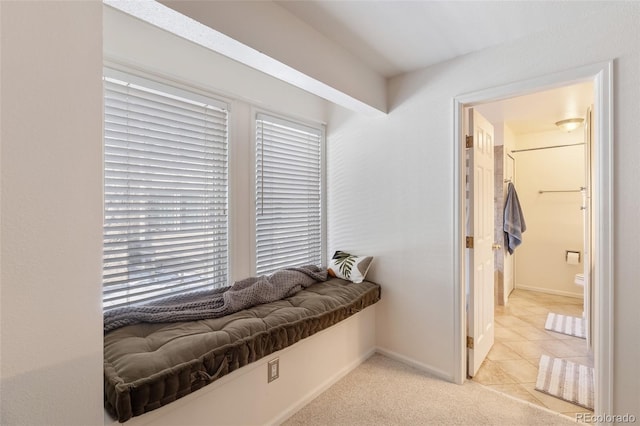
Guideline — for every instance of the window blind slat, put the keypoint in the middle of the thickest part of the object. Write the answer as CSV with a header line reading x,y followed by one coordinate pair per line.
x,y
148,146
126,297
119,133
143,157
288,194
153,173
119,159
148,247
195,261
165,192
283,230
136,219
142,228
293,252
167,276
147,110
116,262
160,96
273,262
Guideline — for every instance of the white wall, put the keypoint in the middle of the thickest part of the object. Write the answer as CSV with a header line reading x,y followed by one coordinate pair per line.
x,y
554,220
51,230
391,187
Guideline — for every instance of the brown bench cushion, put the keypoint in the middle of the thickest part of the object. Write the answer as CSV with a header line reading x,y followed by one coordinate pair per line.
x,y
147,366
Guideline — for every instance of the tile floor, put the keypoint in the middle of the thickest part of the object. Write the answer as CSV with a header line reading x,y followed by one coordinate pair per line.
x,y
520,339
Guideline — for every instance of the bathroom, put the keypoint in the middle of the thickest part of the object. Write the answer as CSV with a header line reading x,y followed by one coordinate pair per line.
x,y
548,168
547,165
550,186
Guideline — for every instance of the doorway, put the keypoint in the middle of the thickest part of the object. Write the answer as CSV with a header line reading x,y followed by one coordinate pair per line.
x,y
552,184
553,188
600,75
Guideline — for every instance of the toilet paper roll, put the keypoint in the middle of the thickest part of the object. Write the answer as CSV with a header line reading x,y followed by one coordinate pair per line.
x,y
573,257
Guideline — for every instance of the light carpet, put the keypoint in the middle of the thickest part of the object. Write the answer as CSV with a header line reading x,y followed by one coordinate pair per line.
x,y
566,380
382,391
573,326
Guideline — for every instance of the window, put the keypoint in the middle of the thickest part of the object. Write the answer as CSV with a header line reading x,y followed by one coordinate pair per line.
x,y
165,191
289,193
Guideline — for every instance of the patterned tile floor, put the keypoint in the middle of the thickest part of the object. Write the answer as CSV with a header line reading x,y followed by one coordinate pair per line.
x,y
520,339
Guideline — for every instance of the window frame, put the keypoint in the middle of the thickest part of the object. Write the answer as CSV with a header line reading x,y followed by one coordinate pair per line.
x,y
194,94
300,123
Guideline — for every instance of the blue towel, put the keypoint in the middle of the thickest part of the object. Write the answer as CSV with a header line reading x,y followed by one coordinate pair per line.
x,y
514,224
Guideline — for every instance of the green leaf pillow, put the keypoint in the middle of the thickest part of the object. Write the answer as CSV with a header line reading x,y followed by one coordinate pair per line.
x,y
349,267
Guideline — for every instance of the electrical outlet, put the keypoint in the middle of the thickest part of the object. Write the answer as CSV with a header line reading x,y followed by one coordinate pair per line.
x,y
273,370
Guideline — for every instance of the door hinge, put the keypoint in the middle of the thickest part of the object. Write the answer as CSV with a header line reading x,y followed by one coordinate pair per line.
x,y
469,342
469,142
469,242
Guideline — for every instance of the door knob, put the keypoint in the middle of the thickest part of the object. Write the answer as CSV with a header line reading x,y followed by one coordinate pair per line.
x,y
496,246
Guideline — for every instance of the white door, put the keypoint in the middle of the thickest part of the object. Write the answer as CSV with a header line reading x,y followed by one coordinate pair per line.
x,y
480,224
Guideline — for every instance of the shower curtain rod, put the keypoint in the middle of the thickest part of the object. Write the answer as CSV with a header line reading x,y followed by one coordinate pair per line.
x,y
547,147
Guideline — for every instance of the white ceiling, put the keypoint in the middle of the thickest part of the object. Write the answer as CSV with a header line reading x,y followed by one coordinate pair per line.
x,y
396,36
393,37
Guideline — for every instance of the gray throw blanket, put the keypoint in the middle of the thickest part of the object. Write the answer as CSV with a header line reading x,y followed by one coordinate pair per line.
x,y
218,302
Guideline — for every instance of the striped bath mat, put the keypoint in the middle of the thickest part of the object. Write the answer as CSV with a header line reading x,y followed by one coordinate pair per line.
x,y
566,380
572,326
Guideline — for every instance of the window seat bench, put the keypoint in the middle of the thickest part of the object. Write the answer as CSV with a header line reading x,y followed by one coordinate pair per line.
x,y
147,365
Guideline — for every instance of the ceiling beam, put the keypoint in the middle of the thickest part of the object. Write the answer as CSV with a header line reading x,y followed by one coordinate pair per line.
x,y
362,90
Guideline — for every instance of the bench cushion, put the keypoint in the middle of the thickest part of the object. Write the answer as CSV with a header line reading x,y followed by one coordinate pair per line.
x,y
147,366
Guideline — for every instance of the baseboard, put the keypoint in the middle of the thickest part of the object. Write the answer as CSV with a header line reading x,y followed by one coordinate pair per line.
x,y
416,364
549,291
282,417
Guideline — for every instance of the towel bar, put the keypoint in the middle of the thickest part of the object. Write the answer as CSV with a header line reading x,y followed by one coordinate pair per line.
x,y
582,188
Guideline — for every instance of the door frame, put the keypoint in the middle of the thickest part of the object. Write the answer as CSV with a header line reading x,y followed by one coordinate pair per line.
x,y
602,280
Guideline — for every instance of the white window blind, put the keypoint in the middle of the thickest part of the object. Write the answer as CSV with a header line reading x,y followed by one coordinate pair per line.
x,y
165,191
288,194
